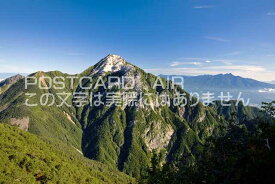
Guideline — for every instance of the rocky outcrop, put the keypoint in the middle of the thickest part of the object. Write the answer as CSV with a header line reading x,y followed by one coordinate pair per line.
x,y
22,123
11,80
158,137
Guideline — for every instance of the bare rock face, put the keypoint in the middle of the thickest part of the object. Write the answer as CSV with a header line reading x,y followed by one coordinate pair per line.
x,y
69,117
181,111
159,137
112,63
202,116
11,80
23,123
42,79
115,63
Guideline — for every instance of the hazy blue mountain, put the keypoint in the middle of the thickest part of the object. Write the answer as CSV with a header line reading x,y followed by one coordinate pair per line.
x,y
222,81
251,89
271,82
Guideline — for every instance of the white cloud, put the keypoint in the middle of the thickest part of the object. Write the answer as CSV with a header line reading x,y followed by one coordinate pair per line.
x,y
196,63
271,13
191,58
249,71
200,61
218,39
226,62
176,63
203,7
239,68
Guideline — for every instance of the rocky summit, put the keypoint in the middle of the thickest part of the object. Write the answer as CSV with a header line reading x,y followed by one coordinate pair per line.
x,y
124,137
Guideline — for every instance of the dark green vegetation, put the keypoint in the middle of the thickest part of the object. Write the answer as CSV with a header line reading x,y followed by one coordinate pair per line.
x,y
41,120
26,158
238,155
125,138
240,113
121,137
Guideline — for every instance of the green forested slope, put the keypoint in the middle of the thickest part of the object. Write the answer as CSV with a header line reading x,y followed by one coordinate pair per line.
x,y
242,112
237,156
26,158
125,137
41,120
122,137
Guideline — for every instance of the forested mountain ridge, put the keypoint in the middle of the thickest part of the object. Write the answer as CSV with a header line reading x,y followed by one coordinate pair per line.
x,y
241,154
124,137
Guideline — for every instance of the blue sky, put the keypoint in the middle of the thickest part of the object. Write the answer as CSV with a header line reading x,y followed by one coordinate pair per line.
x,y
190,37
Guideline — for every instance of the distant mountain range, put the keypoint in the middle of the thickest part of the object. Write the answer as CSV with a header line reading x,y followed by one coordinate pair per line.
x,y
255,90
222,81
271,82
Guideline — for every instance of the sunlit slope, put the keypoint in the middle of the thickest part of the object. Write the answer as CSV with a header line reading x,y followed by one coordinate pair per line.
x,y
49,121
123,137
26,158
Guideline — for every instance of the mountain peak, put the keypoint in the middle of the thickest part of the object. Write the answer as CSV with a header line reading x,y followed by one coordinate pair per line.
x,y
114,56
113,59
112,63
11,80
228,74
